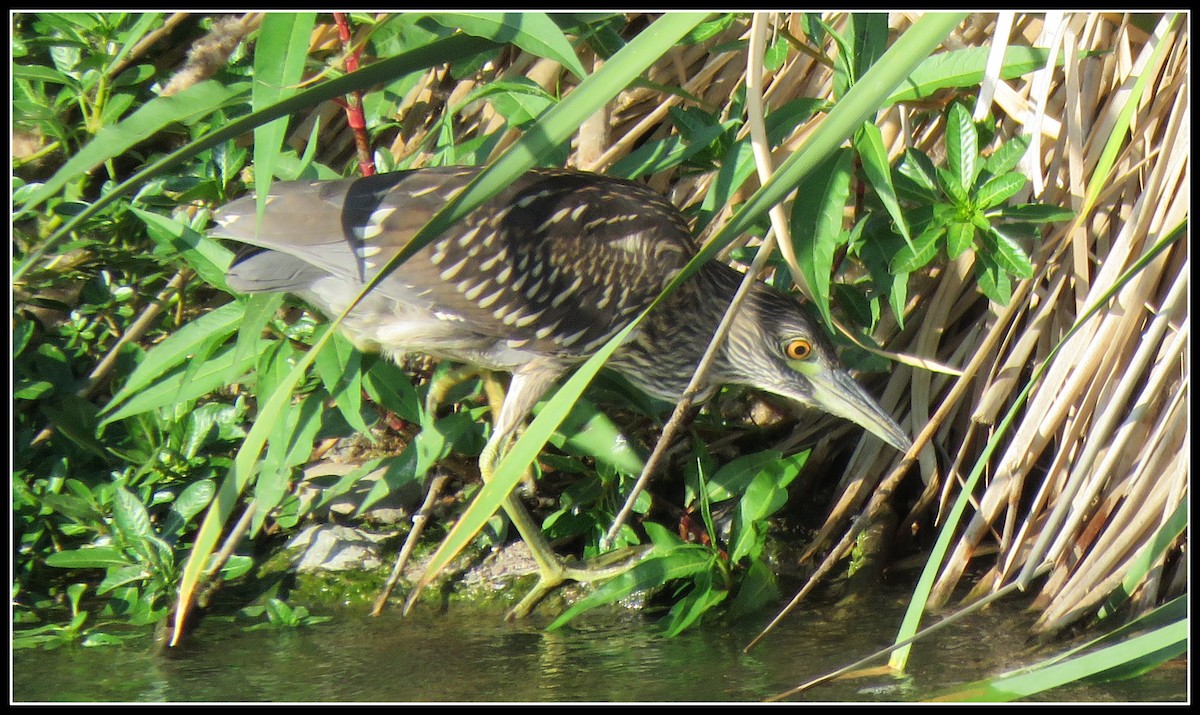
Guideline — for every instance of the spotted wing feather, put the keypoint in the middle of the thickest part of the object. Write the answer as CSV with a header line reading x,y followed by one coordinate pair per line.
x,y
557,262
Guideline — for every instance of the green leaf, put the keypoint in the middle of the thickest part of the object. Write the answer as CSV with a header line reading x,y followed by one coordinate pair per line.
x,y
197,101
520,101
117,577
389,386
708,29
962,147
134,76
588,432
657,156
1033,213
183,384
190,502
23,331
205,255
844,66
868,141
40,73
96,640
919,254
116,106
993,281
1010,256
127,39
30,389
732,479
533,32
92,557
200,424
130,516
409,466
738,164
868,36
279,613
214,325
236,566
765,495
965,68
1007,155
340,371
898,296
429,446
602,36
260,309
817,224
979,221
291,444
757,589
776,54
75,419
916,174
704,596
959,237
81,508
773,487
953,189
999,189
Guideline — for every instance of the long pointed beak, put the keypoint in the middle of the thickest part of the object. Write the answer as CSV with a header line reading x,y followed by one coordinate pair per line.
x,y
837,393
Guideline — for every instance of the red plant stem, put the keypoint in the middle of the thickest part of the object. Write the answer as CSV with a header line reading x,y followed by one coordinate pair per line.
x,y
354,111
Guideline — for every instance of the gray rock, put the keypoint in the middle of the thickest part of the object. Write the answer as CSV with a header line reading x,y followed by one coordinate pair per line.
x,y
332,547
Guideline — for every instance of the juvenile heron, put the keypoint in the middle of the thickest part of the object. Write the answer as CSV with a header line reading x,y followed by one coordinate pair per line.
x,y
532,282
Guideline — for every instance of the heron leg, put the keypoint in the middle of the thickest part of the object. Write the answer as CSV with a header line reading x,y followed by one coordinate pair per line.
x,y
529,383
527,387
440,386
553,571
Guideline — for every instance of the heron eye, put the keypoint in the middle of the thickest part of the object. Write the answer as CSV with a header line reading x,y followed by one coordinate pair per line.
x,y
798,349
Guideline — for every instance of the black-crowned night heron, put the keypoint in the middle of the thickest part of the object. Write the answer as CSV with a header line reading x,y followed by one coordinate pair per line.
x,y
532,282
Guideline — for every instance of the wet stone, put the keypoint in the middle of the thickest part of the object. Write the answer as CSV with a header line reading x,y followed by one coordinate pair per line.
x,y
333,547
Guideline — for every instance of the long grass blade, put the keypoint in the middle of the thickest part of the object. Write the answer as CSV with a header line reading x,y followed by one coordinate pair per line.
x,y
279,56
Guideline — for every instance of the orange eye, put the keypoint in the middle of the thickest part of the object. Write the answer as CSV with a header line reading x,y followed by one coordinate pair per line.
x,y
798,349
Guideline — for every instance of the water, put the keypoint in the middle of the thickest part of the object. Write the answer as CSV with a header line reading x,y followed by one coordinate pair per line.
x,y
479,658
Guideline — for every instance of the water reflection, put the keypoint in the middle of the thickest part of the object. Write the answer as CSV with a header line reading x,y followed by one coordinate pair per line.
x,y
457,658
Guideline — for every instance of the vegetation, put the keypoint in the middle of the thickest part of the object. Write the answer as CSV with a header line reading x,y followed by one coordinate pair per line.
x,y
987,208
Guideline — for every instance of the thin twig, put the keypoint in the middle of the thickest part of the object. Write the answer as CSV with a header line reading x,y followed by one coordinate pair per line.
x,y
235,536
418,519
148,41
136,330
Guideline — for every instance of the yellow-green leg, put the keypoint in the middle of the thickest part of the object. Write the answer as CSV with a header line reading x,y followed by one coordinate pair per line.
x,y
509,412
552,570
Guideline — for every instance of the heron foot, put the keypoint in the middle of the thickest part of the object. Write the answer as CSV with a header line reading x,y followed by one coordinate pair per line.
x,y
553,572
